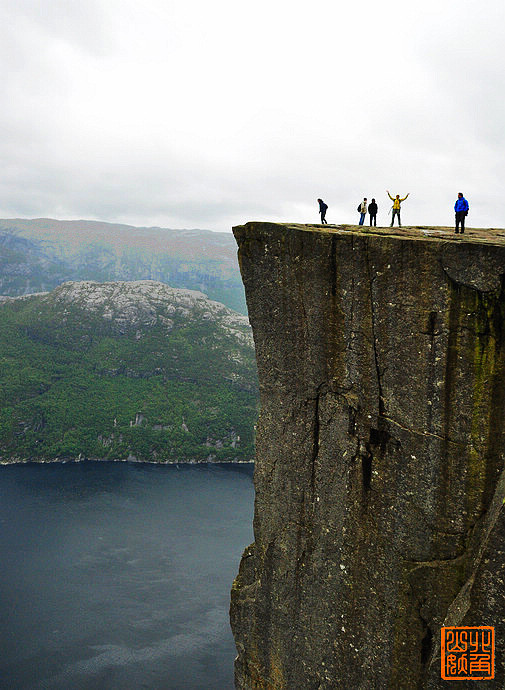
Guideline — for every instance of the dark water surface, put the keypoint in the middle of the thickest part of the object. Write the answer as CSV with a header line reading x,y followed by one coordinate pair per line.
x,y
118,575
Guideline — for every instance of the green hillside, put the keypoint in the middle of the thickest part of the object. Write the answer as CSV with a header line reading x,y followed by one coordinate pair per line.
x,y
133,370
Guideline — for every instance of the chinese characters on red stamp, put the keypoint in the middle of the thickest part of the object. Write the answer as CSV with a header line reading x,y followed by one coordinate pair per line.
x,y
467,653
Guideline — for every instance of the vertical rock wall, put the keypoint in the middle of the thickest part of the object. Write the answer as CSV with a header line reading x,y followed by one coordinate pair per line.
x,y
380,450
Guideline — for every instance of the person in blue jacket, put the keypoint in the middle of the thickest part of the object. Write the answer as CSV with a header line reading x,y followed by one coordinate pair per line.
x,y
461,208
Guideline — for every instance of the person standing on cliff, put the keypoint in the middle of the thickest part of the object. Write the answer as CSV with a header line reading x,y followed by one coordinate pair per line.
x,y
362,209
396,208
322,210
461,208
372,210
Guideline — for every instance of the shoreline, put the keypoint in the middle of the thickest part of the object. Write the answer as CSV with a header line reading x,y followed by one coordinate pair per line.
x,y
75,461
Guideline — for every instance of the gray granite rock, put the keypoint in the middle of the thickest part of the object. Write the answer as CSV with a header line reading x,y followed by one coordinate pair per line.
x,y
379,455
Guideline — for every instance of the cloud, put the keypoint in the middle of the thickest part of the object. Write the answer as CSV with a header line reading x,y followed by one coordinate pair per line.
x,y
203,114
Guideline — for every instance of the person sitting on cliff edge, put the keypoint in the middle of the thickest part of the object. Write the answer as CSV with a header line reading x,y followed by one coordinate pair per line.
x,y
461,208
396,208
322,210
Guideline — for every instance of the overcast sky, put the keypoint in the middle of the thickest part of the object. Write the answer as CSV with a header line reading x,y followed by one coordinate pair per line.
x,y
209,113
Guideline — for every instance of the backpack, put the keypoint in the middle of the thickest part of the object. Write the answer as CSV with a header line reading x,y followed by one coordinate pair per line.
x,y
359,208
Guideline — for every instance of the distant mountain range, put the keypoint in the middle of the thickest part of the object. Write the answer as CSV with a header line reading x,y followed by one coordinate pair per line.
x,y
39,254
125,370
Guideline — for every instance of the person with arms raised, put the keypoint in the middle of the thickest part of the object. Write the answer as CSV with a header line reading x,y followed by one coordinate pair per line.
x,y
396,208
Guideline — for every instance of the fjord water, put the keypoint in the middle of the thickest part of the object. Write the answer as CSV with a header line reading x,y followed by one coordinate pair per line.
x,y
117,575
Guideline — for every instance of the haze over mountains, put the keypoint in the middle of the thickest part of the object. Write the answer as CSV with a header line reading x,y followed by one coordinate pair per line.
x,y
37,255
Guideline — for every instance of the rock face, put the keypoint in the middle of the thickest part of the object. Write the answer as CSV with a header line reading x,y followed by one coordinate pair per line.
x,y
379,454
144,303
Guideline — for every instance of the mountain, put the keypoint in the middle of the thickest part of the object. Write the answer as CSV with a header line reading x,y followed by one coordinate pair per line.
x,y
125,370
39,254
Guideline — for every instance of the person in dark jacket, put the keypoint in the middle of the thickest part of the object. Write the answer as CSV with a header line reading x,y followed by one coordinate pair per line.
x,y
372,210
461,208
322,210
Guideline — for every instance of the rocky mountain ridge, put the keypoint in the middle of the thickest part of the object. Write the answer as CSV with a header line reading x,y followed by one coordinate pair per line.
x,y
133,304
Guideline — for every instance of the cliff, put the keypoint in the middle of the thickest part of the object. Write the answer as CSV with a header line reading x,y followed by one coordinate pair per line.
x,y
379,454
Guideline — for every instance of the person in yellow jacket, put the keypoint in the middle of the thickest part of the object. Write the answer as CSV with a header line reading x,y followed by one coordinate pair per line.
x,y
396,208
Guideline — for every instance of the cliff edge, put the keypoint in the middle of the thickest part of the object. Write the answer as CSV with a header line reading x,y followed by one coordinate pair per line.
x,y
379,454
